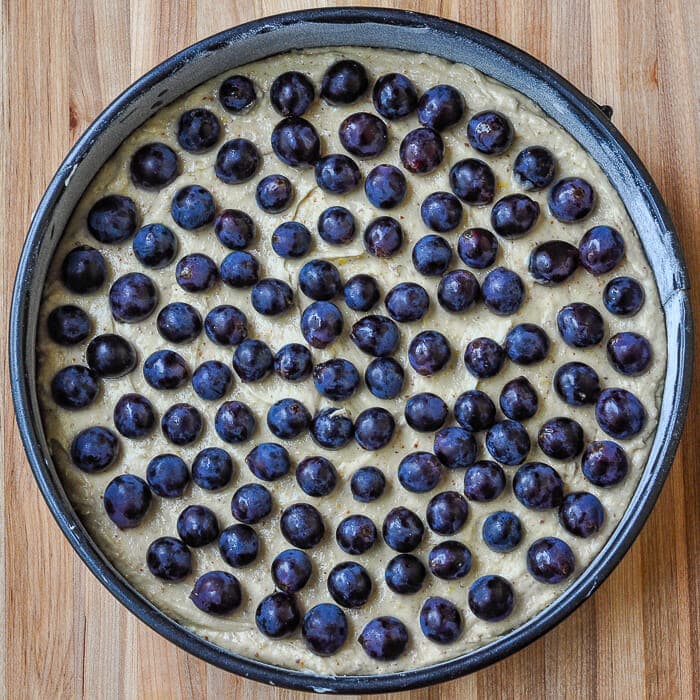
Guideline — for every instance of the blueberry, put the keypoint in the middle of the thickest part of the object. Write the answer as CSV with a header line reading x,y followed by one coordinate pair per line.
x,y
384,638
320,280
484,357
601,249
332,428
239,545
288,418
404,574
192,207
316,476
212,469
571,199
237,93
604,463
252,360
110,355
198,130
344,82
455,447
440,620
234,422
324,629
550,560
394,96
181,424
384,378
127,499
383,237
385,186
277,615
449,560
425,412
165,370
374,428
478,248
526,344
484,481
440,107
534,168
361,292
217,593
431,255
212,380
134,416
302,525
421,151
291,570
356,534
473,182
367,484
491,598
441,211
94,449
458,291
251,503
155,246
75,387
321,324
514,215
502,531
197,272
620,413
402,529
68,325
197,525
628,352
268,461
376,335
83,270
623,296
274,194
226,325
407,302
475,411
518,399
508,442
349,584
179,322
490,132
234,229
236,162
582,514
553,262
363,134
271,297
113,219
447,512
293,362
337,174
291,240
336,225
291,93
132,297
154,166
577,384
169,559
419,472
538,486
429,352
295,142
561,438
580,325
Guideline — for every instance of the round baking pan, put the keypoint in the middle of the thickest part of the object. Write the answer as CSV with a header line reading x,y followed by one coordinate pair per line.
x,y
588,123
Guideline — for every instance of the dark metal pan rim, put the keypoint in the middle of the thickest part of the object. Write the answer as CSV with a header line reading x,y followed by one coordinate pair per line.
x,y
579,115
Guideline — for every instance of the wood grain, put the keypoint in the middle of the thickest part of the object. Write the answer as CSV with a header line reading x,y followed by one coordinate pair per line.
x,y
64,635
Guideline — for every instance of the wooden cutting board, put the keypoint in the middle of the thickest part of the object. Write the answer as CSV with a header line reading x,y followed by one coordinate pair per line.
x,y
65,636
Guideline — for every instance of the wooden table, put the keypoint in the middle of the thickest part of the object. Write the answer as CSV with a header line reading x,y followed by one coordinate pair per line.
x,y
65,636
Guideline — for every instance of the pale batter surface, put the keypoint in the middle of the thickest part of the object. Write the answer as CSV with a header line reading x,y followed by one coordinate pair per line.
x,y
127,549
